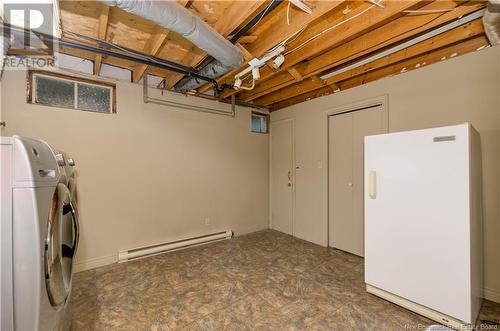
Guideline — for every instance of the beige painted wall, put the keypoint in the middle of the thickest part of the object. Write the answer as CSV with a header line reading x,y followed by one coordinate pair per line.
x,y
150,174
463,89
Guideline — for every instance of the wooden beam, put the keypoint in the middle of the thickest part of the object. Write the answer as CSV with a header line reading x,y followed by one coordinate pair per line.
x,y
443,54
246,54
374,40
153,47
237,14
101,34
459,34
274,31
427,59
307,85
247,39
295,74
451,37
361,21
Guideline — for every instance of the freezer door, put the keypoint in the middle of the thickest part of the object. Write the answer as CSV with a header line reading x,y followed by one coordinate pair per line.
x,y
417,242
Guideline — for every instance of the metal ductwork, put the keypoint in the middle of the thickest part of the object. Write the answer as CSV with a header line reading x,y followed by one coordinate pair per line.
x,y
4,47
491,22
172,16
213,70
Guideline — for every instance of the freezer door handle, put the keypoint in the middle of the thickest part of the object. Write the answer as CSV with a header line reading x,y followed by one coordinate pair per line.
x,y
372,184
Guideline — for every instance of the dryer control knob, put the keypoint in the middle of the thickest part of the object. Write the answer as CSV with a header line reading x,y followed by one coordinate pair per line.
x,y
71,162
60,160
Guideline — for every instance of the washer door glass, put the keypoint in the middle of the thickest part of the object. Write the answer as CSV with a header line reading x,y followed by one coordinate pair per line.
x,y
60,246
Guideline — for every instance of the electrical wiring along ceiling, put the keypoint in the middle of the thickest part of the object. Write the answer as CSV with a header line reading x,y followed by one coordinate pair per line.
x,y
290,48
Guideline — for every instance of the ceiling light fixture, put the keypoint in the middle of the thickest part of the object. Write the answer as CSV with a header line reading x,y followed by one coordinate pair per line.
x,y
278,61
255,73
237,83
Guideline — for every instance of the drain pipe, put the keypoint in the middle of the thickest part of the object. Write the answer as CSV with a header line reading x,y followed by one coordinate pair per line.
x,y
215,68
491,22
173,16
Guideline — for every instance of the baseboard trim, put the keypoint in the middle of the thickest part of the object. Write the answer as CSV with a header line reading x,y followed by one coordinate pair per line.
x,y
491,294
95,262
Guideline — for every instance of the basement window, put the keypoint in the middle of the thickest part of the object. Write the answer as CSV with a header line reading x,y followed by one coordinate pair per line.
x,y
260,123
63,91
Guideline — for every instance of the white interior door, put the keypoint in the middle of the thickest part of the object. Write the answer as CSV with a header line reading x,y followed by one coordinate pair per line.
x,y
346,159
282,176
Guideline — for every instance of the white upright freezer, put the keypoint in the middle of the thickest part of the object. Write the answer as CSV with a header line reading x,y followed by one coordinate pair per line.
x,y
423,216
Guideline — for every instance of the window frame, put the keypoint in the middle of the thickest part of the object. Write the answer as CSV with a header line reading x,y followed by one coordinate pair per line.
x,y
266,116
31,92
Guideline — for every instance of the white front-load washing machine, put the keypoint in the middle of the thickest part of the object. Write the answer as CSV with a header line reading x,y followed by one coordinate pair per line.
x,y
38,237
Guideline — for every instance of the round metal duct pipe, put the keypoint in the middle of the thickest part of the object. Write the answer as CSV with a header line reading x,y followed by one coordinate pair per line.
x,y
491,22
172,16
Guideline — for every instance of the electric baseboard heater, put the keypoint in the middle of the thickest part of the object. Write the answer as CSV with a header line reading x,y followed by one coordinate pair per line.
x,y
141,252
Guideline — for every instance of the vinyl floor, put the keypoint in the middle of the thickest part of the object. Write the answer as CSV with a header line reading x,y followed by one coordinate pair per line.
x,y
262,281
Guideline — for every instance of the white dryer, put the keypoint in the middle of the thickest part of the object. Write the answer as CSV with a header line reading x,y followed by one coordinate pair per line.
x,y
38,238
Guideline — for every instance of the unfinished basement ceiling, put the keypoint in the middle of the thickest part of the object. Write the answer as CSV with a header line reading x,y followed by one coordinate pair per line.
x,y
335,35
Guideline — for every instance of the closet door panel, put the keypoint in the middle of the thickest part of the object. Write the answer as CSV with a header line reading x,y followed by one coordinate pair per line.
x,y
340,181
365,122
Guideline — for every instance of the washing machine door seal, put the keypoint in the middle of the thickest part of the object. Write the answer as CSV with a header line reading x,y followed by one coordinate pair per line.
x,y
60,246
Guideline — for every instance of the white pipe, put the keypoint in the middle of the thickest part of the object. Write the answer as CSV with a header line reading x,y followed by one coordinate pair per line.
x,y
408,43
491,22
124,256
173,16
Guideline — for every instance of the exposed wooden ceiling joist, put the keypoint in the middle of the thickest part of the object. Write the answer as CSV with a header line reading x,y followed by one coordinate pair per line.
x,y
458,34
101,34
366,18
368,31
429,58
389,34
153,47
275,29
236,15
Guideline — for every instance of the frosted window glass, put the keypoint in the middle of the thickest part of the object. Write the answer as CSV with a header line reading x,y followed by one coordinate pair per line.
x,y
95,98
55,92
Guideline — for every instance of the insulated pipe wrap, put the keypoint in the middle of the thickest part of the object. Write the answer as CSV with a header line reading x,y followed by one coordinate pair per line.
x,y
491,22
213,70
172,16
4,45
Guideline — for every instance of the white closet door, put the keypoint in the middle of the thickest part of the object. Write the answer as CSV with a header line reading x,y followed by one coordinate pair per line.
x,y
340,182
346,171
282,175
365,123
